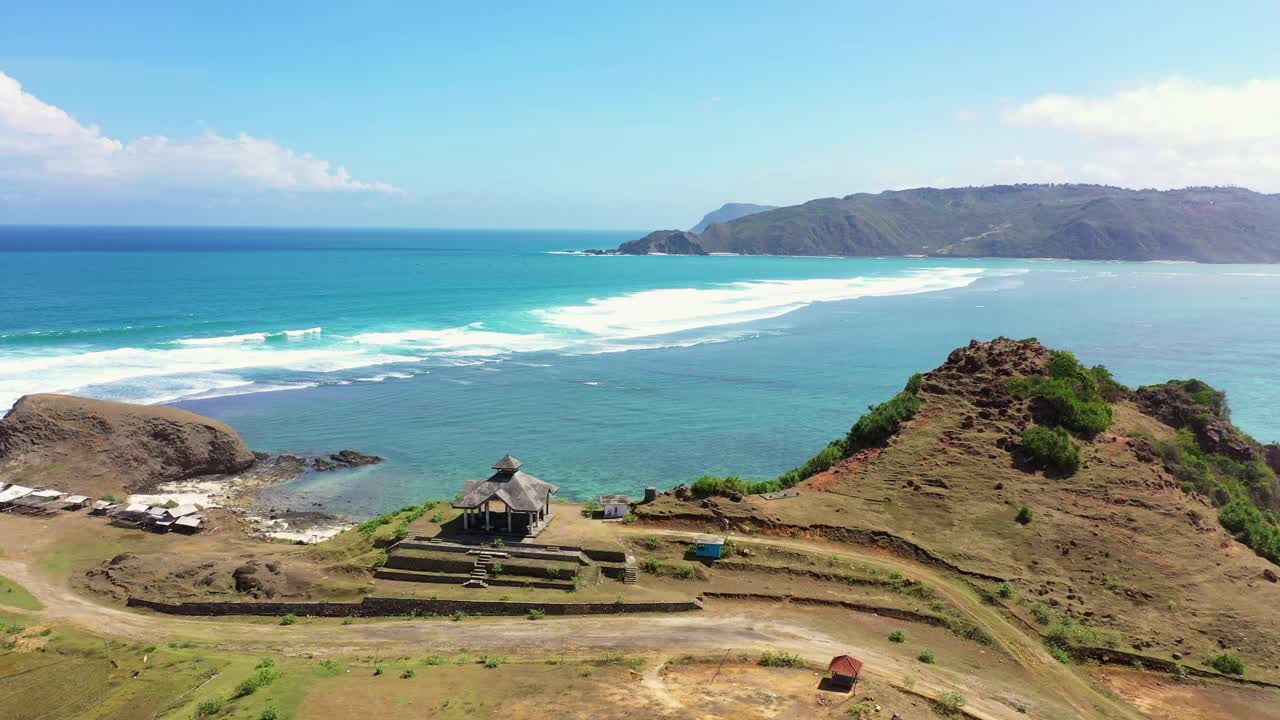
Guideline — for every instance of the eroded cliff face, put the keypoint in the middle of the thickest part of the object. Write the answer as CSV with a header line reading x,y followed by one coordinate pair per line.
x,y
97,446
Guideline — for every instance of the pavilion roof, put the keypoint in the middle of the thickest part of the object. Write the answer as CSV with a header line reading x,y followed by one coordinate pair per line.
x,y
508,462
517,490
845,665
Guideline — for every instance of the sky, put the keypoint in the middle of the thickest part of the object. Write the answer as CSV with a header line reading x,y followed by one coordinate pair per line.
x,y
611,115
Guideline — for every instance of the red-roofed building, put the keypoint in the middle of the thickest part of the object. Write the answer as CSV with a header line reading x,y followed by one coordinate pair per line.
x,y
845,670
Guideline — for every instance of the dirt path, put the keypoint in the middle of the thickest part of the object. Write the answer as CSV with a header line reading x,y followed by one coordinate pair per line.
x,y
661,635
1027,651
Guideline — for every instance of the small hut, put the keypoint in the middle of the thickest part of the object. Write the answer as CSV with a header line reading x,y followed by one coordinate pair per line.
x,y
521,502
708,546
76,502
12,493
615,506
845,670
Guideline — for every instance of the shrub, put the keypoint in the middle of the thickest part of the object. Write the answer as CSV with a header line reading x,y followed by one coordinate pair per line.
x,y
652,543
590,508
977,633
378,670
650,565
537,613
1005,589
492,662
778,658
208,707
629,518
458,616
408,673
1060,654
881,422
1052,447
897,636
289,619
927,657
269,713
1227,663
1042,613
1024,515
686,572
437,518
950,703
433,660
348,620
260,678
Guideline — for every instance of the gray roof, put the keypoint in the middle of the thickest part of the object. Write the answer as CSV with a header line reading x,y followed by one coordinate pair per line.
x,y
615,500
518,490
709,540
508,462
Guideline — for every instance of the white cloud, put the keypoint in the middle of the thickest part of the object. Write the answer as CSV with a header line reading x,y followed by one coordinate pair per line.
x,y
1171,133
43,143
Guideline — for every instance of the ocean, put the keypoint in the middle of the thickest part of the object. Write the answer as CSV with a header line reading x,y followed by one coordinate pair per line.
x,y
441,350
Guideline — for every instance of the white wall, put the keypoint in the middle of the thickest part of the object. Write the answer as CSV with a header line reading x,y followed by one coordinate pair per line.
x,y
615,511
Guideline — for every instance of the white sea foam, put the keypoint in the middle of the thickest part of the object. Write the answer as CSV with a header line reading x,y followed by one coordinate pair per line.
x,y
660,312
264,361
160,375
467,341
251,337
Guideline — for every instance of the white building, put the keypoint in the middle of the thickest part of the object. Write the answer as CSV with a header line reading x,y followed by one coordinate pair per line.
x,y
615,506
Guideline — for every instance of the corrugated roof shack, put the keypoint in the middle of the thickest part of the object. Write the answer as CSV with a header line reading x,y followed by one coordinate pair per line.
x,y
511,501
708,546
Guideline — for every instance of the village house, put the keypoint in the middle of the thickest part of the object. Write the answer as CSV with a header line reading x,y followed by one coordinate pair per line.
x,y
511,501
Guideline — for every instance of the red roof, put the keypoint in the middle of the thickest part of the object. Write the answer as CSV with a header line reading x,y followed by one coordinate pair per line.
x,y
845,665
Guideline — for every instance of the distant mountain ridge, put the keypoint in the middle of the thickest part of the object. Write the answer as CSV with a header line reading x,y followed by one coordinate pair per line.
x,y
729,211
1085,222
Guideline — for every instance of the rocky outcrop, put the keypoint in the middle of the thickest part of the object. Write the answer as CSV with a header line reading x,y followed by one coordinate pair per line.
x,y
97,446
1273,457
664,242
1184,404
343,460
729,212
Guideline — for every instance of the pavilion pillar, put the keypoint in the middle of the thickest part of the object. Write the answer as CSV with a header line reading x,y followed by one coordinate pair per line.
x,y
509,527
487,524
466,519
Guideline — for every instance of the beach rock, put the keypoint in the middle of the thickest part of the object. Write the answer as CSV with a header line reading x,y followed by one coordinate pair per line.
x,y
344,459
1273,456
664,242
97,446
1270,575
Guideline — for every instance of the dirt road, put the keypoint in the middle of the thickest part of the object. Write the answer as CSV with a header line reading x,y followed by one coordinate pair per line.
x,y
1071,686
662,636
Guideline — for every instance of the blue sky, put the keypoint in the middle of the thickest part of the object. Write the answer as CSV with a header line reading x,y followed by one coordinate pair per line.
x,y
610,115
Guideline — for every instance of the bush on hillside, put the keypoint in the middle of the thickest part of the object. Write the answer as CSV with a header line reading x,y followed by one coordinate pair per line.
x,y
1052,447
1077,397
881,422
1228,664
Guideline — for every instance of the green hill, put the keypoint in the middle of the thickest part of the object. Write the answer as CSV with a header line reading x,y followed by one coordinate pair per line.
x,y
1066,221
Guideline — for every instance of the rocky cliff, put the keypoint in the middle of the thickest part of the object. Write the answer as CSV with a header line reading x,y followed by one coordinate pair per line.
x,y
99,447
727,212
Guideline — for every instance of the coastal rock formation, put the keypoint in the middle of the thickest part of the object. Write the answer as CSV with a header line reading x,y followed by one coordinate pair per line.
x,y
1273,457
99,447
1192,404
344,459
664,242
1090,222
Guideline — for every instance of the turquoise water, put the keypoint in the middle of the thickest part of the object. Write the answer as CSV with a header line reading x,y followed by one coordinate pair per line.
x,y
442,350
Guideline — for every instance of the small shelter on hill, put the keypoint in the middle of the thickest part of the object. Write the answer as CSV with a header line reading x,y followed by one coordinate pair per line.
x,y
708,546
615,506
76,502
13,492
519,502
845,670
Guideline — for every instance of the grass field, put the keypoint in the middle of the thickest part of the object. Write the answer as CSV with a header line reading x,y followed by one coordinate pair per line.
x,y
14,595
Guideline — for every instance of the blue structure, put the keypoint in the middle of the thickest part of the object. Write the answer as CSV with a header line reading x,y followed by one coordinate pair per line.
x,y
708,546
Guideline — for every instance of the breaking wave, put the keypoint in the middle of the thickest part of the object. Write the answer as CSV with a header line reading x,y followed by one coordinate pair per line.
x,y
279,360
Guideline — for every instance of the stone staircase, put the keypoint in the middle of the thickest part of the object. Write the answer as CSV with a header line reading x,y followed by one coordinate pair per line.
x,y
480,569
630,574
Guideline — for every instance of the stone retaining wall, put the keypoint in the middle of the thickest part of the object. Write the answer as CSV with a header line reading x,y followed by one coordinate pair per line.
x,y
394,607
896,613
387,573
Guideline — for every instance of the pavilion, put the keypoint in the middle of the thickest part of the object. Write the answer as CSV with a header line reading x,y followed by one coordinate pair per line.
x,y
519,502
